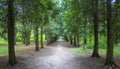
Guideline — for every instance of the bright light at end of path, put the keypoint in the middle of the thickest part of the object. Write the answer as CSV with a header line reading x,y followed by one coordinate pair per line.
x,y
60,39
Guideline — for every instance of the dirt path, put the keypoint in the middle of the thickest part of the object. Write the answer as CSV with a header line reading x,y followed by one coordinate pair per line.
x,y
56,56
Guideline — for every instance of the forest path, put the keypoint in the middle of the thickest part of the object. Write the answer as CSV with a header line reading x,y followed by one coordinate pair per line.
x,y
57,56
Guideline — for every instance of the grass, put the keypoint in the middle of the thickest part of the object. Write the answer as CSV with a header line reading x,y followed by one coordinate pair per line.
x,y
4,49
102,47
2,41
5,42
89,49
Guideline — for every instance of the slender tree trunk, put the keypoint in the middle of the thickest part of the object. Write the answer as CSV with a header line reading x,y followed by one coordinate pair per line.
x,y
23,29
85,40
15,36
23,38
66,38
74,39
11,52
27,38
36,39
23,24
42,37
45,35
90,40
110,39
78,42
71,42
95,16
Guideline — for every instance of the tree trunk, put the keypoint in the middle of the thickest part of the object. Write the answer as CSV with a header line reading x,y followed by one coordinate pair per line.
x,y
23,36
15,36
74,39
71,42
95,16
90,38
78,42
11,52
42,37
45,35
85,40
65,38
110,39
28,37
36,39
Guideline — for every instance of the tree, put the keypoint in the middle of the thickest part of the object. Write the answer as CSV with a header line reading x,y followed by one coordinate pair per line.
x,y
12,57
41,32
95,21
36,16
3,19
27,20
37,38
110,34
116,20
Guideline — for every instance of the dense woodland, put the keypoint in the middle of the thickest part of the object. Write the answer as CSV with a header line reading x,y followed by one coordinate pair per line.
x,y
80,22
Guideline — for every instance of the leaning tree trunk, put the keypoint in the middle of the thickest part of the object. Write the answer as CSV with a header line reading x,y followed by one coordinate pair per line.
x,y
95,16
42,37
11,52
110,39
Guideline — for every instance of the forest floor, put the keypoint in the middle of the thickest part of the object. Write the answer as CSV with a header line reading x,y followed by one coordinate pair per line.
x,y
55,56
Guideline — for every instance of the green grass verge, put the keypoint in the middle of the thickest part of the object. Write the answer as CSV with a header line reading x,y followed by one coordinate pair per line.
x,y
6,42
89,49
4,49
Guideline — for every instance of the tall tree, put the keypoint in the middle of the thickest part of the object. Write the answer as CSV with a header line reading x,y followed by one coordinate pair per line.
x,y
95,20
110,34
12,57
37,38
36,13
27,20
42,37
